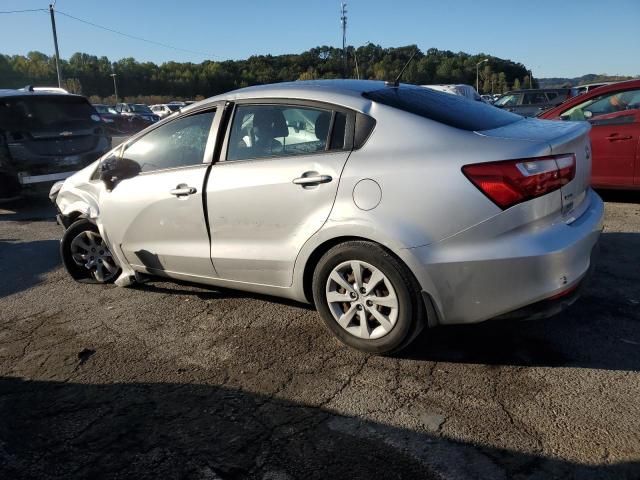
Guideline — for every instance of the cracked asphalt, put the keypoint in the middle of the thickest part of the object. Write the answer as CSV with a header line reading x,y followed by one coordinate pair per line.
x,y
169,380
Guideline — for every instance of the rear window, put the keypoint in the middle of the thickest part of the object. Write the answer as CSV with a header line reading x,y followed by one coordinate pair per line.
x,y
451,110
19,113
139,108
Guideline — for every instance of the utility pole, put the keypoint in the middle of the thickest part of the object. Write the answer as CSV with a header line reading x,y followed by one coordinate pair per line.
x,y
55,42
343,22
115,85
478,73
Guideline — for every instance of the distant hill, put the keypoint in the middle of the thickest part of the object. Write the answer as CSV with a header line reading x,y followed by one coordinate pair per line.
x,y
584,79
91,75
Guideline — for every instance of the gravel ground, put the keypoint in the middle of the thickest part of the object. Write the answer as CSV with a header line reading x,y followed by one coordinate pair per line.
x,y
170,380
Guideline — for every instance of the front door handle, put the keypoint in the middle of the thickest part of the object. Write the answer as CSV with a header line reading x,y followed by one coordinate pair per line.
x,y
182,190
616,138
312,180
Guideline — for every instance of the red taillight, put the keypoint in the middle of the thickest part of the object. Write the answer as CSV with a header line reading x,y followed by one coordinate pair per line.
x,y
514,181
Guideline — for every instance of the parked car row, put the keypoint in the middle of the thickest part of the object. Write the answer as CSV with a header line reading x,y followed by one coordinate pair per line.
x,y
531,102
119,124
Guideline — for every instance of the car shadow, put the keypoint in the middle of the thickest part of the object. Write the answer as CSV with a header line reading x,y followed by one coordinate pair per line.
x,y
29,208
177,430
23,264
159,284
601,330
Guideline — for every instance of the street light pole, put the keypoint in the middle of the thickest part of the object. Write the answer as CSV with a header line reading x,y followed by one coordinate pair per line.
x,y
55,42
478,73
115,85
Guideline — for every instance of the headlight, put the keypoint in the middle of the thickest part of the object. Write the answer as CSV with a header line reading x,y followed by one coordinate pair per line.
x,y
55,189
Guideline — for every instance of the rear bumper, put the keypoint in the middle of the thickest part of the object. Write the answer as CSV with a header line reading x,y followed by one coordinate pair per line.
x,y
48,178
28,171
554,305
473,280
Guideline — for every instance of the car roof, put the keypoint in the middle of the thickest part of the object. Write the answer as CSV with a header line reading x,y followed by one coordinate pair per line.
x,y
526,90
347,93
7,92
609,87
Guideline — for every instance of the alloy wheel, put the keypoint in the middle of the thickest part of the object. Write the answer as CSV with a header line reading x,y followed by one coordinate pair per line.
x,y
88,250
362,299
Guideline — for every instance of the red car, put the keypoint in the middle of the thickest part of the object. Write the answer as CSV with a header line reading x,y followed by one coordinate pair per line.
x,y
614,114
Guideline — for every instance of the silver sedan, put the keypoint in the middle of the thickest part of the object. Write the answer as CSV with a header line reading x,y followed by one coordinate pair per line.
x,y
389,207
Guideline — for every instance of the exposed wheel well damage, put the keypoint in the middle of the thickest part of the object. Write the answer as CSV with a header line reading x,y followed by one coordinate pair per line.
x,y
70,218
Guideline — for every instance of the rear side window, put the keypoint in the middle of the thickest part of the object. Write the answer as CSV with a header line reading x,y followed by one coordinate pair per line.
x,y
451,110
38,111
339,129
260,131
534,98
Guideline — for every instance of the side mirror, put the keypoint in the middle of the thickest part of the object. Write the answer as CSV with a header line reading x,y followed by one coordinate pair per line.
x,y
114,170
587,114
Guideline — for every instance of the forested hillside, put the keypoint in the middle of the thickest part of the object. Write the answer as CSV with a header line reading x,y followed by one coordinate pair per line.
x,y
90,75
583,80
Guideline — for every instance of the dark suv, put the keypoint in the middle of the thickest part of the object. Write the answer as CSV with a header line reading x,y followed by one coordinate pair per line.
x,y
45,137
530,103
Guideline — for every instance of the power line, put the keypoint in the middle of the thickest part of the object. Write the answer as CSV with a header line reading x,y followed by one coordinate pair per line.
x,y
24,11
133,36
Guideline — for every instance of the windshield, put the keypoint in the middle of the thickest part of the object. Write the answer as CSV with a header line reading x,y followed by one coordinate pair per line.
x,y
452,110
174,108
140,108
39,111
603,105
507,101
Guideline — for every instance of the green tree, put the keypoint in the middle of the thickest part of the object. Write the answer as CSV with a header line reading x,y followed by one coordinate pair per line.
x,y
171,80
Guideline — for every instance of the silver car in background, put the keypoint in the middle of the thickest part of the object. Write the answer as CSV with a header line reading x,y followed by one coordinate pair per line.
x,y
389,207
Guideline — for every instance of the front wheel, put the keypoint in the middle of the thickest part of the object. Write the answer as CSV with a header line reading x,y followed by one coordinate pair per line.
x,y
367,297
85,254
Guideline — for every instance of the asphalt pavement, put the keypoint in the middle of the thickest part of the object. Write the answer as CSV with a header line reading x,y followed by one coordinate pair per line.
x,y
169,380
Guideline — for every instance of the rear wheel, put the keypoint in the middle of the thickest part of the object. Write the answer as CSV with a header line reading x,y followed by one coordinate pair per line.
x,y
367,297
85,254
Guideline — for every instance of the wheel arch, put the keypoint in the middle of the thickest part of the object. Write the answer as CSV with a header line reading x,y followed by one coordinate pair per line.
x,y
327,239
314,258
71,217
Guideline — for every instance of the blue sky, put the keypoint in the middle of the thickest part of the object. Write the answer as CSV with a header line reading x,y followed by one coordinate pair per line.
x,y
554,38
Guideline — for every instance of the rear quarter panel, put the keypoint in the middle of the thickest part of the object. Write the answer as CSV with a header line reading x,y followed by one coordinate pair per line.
x,y
417,164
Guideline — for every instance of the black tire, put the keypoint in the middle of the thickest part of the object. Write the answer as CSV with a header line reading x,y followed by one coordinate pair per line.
x,y
78,272
411,312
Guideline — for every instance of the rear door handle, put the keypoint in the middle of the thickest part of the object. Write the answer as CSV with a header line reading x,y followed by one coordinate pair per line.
x,y
312,180
615,137
182,190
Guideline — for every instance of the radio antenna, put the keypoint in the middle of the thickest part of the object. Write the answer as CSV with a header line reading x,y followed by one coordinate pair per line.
x,y
396,82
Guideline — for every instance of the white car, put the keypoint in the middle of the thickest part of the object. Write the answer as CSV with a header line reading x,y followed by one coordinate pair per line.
x,y
165,109
461,89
